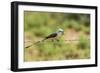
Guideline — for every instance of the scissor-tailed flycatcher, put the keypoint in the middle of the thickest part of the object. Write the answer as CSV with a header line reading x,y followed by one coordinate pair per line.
x,y
55,35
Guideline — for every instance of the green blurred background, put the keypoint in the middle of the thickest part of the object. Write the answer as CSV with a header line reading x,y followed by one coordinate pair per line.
x,y
74,44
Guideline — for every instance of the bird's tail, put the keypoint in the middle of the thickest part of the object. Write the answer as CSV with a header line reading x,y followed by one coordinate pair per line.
x,y
36,43
43,40
40,41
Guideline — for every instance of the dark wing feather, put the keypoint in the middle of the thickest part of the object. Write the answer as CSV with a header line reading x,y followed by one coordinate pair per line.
x,y
52,35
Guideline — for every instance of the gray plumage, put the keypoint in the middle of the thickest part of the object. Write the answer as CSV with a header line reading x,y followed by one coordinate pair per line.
x,y
55,35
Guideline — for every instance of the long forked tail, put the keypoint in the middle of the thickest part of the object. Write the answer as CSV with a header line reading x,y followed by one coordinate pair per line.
x,y
36,43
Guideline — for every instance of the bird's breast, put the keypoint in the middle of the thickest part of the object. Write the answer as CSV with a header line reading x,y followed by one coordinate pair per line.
x,y
59,34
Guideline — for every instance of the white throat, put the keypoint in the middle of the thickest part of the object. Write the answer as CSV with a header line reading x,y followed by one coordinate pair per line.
x,y
59,34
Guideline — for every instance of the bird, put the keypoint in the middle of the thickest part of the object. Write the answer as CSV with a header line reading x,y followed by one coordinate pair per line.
x,y
55,35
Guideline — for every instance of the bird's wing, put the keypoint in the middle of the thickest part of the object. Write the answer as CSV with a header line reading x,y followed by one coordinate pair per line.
x,y
52,35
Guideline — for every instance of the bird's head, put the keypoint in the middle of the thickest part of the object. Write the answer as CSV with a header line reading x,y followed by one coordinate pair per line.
x,y
60,31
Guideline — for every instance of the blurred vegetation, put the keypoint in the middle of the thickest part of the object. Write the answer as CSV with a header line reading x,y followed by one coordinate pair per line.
x,y
38,25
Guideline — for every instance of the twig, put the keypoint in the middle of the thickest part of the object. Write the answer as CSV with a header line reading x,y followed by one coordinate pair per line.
x,y
42,41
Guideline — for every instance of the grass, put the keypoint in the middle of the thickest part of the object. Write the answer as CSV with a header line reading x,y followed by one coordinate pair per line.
x,y
38,25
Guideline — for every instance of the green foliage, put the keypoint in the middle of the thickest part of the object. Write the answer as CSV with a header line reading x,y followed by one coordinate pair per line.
x,y
84,43
40,24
